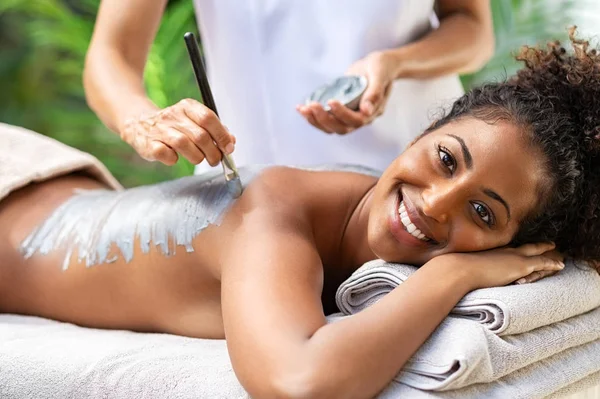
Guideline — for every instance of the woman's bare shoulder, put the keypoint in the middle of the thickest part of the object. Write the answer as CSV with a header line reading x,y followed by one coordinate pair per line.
x,y
281,193
293,196
309,184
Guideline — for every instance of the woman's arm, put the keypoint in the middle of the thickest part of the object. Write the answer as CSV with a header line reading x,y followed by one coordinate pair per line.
x,y
463,43
114,87
279,343
272,278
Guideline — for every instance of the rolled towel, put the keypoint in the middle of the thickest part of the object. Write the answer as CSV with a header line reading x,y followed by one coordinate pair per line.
x,y
29,157
508,310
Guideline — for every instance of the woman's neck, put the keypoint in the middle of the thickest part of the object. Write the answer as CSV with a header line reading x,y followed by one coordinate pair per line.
x,y
355,249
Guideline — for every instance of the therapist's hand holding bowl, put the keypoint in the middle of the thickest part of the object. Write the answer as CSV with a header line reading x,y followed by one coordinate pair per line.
x,y
187,128
380,69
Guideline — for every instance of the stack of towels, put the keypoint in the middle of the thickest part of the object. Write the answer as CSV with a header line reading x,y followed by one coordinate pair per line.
x,y
518,341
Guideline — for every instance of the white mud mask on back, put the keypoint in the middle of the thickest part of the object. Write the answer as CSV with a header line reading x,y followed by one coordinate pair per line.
x,y
93,223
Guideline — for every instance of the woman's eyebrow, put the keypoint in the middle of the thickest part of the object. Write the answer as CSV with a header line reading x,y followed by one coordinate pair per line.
x,y
469,163
492,194
465,151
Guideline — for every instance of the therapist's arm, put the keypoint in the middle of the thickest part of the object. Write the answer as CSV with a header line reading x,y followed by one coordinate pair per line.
x,y
114,87
463,43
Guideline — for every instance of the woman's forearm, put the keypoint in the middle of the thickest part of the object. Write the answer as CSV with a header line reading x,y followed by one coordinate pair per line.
x,y
461,44
377,342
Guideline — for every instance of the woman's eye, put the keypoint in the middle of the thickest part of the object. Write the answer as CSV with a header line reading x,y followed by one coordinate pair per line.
x,y
483,213
447,159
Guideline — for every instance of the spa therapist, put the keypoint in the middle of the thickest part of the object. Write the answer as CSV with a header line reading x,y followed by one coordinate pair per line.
x,y
265,57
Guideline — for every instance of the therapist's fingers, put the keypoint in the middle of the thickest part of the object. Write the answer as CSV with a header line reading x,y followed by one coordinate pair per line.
x,y
162,153
350,118
149,148
231,136
383,103
201,139
308,115
187,128
328,120
208,147
180,142
210,124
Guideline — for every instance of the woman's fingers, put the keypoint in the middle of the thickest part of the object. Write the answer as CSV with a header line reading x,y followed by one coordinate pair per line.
x,y
542,264
554,254
535,249
535,276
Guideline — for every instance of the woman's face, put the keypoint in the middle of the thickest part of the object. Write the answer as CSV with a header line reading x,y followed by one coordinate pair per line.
x,y
461,188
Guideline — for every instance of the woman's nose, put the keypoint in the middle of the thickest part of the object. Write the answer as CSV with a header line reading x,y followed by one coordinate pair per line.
x,y
439,200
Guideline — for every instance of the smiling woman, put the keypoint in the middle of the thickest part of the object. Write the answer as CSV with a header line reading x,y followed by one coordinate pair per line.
x,y
479,200
454,191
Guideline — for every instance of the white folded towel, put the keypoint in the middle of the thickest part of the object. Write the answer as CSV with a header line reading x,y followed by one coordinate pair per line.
x,y
505,310
461,352
557,377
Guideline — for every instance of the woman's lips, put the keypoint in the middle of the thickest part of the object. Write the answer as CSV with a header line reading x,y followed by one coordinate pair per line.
x,y
416,219
397,228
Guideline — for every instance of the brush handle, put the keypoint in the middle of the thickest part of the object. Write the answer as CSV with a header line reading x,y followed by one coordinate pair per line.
x,y
200,71
229,167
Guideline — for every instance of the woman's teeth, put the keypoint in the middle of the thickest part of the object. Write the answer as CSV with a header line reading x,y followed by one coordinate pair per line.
x,y
408,225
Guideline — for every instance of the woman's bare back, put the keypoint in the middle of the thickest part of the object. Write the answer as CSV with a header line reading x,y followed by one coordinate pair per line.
x,y
179,293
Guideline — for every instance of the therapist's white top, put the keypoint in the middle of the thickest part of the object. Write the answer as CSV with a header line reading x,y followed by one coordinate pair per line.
x,y
266,56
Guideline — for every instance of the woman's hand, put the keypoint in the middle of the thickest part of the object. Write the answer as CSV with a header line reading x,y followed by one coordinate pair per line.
x,y
187,128
379,70
502,266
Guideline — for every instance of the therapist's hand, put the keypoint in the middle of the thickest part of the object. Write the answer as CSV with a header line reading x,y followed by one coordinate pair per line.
x,y
187,129
380,70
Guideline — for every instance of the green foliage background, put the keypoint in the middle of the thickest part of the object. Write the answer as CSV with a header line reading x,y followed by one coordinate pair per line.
x,y
43,45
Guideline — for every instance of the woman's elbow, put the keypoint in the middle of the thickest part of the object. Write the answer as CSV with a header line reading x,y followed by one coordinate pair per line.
x,y
297,384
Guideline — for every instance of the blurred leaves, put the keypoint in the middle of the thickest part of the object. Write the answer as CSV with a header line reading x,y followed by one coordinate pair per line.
x,y
43,45
531,22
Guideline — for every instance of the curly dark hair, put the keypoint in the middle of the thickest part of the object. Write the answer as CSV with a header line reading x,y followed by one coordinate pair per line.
x,y
555,98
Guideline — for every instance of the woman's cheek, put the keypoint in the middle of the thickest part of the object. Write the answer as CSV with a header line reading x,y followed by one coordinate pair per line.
x,y
472,240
